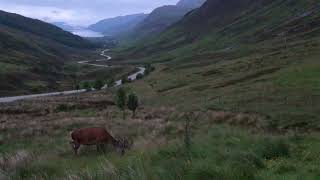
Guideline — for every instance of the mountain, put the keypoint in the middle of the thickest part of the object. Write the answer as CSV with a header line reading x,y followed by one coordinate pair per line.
x,y
221,22
162,17
191,4
118,25
64,26
32,53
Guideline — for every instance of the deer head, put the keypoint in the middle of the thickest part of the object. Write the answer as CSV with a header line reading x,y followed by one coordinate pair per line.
x,y
124,144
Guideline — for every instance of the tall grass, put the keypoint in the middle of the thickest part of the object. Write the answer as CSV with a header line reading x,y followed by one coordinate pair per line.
x,y
222,153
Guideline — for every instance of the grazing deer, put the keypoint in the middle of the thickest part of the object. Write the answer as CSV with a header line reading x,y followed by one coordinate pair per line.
x,y
98,137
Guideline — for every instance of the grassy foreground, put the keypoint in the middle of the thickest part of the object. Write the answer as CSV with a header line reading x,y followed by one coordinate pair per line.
x,y
34,143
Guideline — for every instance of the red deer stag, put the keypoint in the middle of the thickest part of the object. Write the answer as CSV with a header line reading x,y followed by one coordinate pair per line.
x,y
98,137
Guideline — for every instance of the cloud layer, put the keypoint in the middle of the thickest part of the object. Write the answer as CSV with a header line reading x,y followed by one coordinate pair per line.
x,y
79,12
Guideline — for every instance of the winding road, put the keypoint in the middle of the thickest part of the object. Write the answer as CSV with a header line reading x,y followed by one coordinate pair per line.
x,y
132,77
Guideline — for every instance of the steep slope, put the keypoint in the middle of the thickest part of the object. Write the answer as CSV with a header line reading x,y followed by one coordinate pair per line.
x,y
190,3
241,55
159,19
118,25
162,17
41,29
217,13
33,53
234,21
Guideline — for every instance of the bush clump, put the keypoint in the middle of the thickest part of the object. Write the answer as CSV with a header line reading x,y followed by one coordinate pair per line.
x,y
272,149
139,76
98,84
87,86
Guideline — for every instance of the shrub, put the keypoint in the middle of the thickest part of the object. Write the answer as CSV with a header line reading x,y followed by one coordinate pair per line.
x,y
77,87
139,76
149,69
86,85
272,149
98,85
62,108
111,82
133,103
125,80
121,99
205,173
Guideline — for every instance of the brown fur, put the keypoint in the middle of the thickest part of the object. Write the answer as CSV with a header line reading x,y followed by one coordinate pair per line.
x,y
92,136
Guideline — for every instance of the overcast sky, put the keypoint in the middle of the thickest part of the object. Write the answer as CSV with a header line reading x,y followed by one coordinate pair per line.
x,y
80,12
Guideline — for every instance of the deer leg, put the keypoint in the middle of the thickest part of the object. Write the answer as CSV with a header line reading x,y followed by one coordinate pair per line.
x,y
76,147
103,148
98,147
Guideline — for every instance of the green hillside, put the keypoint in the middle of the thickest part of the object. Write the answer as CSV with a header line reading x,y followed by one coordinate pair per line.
x,y
247,56
33,54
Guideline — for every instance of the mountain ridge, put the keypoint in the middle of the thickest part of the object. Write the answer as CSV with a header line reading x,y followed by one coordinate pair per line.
x,y
117,25
163,17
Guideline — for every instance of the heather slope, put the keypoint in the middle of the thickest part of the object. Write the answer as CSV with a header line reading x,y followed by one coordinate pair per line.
x,y
258,58
33,53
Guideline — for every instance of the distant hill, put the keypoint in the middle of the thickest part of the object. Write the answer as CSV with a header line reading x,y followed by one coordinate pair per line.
x,y
118,25
191,4
162,17
33,52
64,26
137,26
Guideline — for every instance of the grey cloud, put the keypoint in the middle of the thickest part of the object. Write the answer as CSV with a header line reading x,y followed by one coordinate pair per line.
x,y
81,12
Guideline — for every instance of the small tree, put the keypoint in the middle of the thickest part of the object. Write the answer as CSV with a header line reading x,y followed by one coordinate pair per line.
x,y
189,117
110,82
87,86
139,76
133,103
148,69
98,84
75,81
187,133
121,100
124,80
77,87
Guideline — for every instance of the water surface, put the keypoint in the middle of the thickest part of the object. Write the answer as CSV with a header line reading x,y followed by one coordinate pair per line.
x,y
87,33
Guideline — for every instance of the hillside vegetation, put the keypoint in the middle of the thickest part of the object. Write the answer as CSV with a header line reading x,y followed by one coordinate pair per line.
x,y
248,56
32,54
234,96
